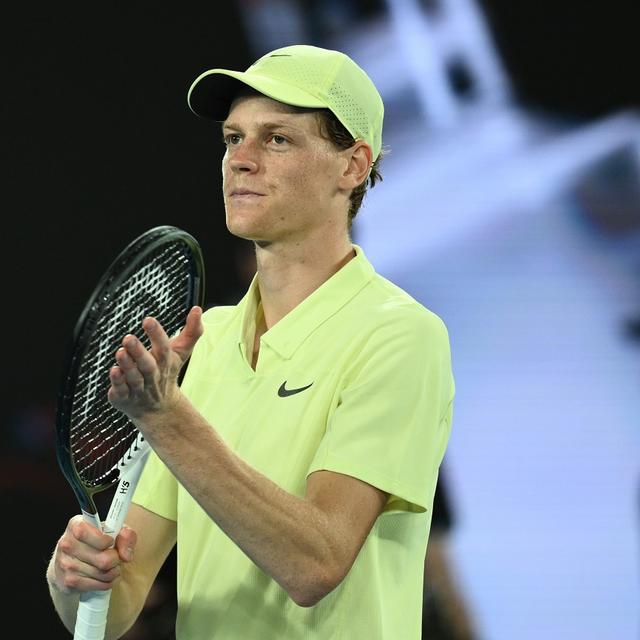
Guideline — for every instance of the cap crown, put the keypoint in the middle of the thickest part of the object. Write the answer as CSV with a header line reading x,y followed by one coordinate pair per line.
x,y
333,79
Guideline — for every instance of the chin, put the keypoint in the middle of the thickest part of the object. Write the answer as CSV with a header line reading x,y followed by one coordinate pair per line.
x,y
242,227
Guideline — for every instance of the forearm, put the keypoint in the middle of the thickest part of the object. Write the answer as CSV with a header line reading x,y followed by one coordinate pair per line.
x,y
287,536
65,602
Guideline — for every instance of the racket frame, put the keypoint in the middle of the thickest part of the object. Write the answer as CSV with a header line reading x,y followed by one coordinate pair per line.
x,y
93,605
133,254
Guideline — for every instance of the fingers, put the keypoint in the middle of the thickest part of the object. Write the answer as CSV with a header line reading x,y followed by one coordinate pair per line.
x,y
138,356
119,387
136,360
86,559
137,366
80,575
160,345
130,369
149,374
88,533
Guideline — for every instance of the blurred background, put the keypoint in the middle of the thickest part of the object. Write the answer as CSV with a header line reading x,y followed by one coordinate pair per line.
x,y
510,207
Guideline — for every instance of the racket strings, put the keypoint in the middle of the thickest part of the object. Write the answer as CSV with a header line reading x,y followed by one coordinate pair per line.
x,y
101,436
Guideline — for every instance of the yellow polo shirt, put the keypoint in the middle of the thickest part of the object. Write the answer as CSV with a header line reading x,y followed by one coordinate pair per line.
x,y
356,379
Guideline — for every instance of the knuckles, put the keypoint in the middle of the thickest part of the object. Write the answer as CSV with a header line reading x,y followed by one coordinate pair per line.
x,y
71,581
107,563
76,527
67,564
66,545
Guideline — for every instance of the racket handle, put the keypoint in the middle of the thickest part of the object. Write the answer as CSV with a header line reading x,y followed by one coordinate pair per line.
x,y
91,619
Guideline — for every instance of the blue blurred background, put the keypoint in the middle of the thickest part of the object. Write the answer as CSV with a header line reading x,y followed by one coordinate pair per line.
x,y
510,206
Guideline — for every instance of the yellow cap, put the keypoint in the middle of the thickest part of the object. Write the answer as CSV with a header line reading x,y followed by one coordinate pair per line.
x,y
302,76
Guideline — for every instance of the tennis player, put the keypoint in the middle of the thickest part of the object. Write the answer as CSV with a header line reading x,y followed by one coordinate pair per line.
x,y
295,467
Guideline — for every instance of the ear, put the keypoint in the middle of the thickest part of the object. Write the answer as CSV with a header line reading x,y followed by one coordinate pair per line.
x,y
359,161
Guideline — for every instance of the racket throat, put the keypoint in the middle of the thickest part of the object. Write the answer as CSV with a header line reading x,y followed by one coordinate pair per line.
x,y
92,518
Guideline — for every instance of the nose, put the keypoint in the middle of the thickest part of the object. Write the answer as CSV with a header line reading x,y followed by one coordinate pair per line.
x,y
243,158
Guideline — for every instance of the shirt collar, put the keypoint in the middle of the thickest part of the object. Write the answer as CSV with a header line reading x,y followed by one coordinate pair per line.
x,y
291,331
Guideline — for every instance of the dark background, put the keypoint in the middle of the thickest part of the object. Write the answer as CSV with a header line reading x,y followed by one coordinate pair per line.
x,y
100,145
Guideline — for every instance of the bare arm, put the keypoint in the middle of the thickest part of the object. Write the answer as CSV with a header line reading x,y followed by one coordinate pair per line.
x,y
307,544
85,560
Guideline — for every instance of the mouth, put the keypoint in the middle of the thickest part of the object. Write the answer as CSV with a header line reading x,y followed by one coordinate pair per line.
x,y
244,193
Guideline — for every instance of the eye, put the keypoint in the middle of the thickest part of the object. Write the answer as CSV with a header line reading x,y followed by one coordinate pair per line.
x,y
277,139
231,139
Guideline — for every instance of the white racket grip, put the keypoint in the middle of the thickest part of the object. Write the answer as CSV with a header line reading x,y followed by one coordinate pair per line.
x,y
91,618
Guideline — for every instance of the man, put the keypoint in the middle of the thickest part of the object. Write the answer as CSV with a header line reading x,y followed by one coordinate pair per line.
x,y
295,466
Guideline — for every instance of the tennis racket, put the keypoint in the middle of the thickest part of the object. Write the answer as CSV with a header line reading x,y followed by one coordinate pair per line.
x,y
161,273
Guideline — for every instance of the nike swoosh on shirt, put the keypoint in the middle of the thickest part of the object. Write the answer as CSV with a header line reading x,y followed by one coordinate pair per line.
x,y
283,392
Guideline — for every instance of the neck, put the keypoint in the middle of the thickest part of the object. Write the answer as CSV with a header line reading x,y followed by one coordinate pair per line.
x,y
288,273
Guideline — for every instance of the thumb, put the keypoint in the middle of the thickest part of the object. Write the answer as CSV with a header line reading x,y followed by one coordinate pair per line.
x,y
184,342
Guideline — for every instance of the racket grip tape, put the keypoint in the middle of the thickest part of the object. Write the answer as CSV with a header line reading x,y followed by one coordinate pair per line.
x,y
91,619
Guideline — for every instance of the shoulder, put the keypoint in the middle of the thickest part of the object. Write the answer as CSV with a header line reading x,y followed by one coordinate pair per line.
x,y
390,335
386,308
381,301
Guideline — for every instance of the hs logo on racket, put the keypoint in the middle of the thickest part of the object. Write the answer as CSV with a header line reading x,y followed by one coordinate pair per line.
x,y
124,487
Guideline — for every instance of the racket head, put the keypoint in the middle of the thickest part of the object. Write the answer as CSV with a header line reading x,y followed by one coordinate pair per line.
x,y
160,274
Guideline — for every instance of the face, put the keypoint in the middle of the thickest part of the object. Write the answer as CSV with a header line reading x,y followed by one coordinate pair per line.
x,y
280,176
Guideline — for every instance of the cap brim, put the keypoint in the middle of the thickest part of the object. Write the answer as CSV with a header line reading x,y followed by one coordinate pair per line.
x,y
212,92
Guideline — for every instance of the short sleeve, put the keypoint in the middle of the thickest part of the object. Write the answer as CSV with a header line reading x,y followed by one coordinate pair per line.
x,y
392,423
157,489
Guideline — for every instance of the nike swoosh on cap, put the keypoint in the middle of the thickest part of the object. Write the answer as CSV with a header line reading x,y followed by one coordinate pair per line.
x,y
283,392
